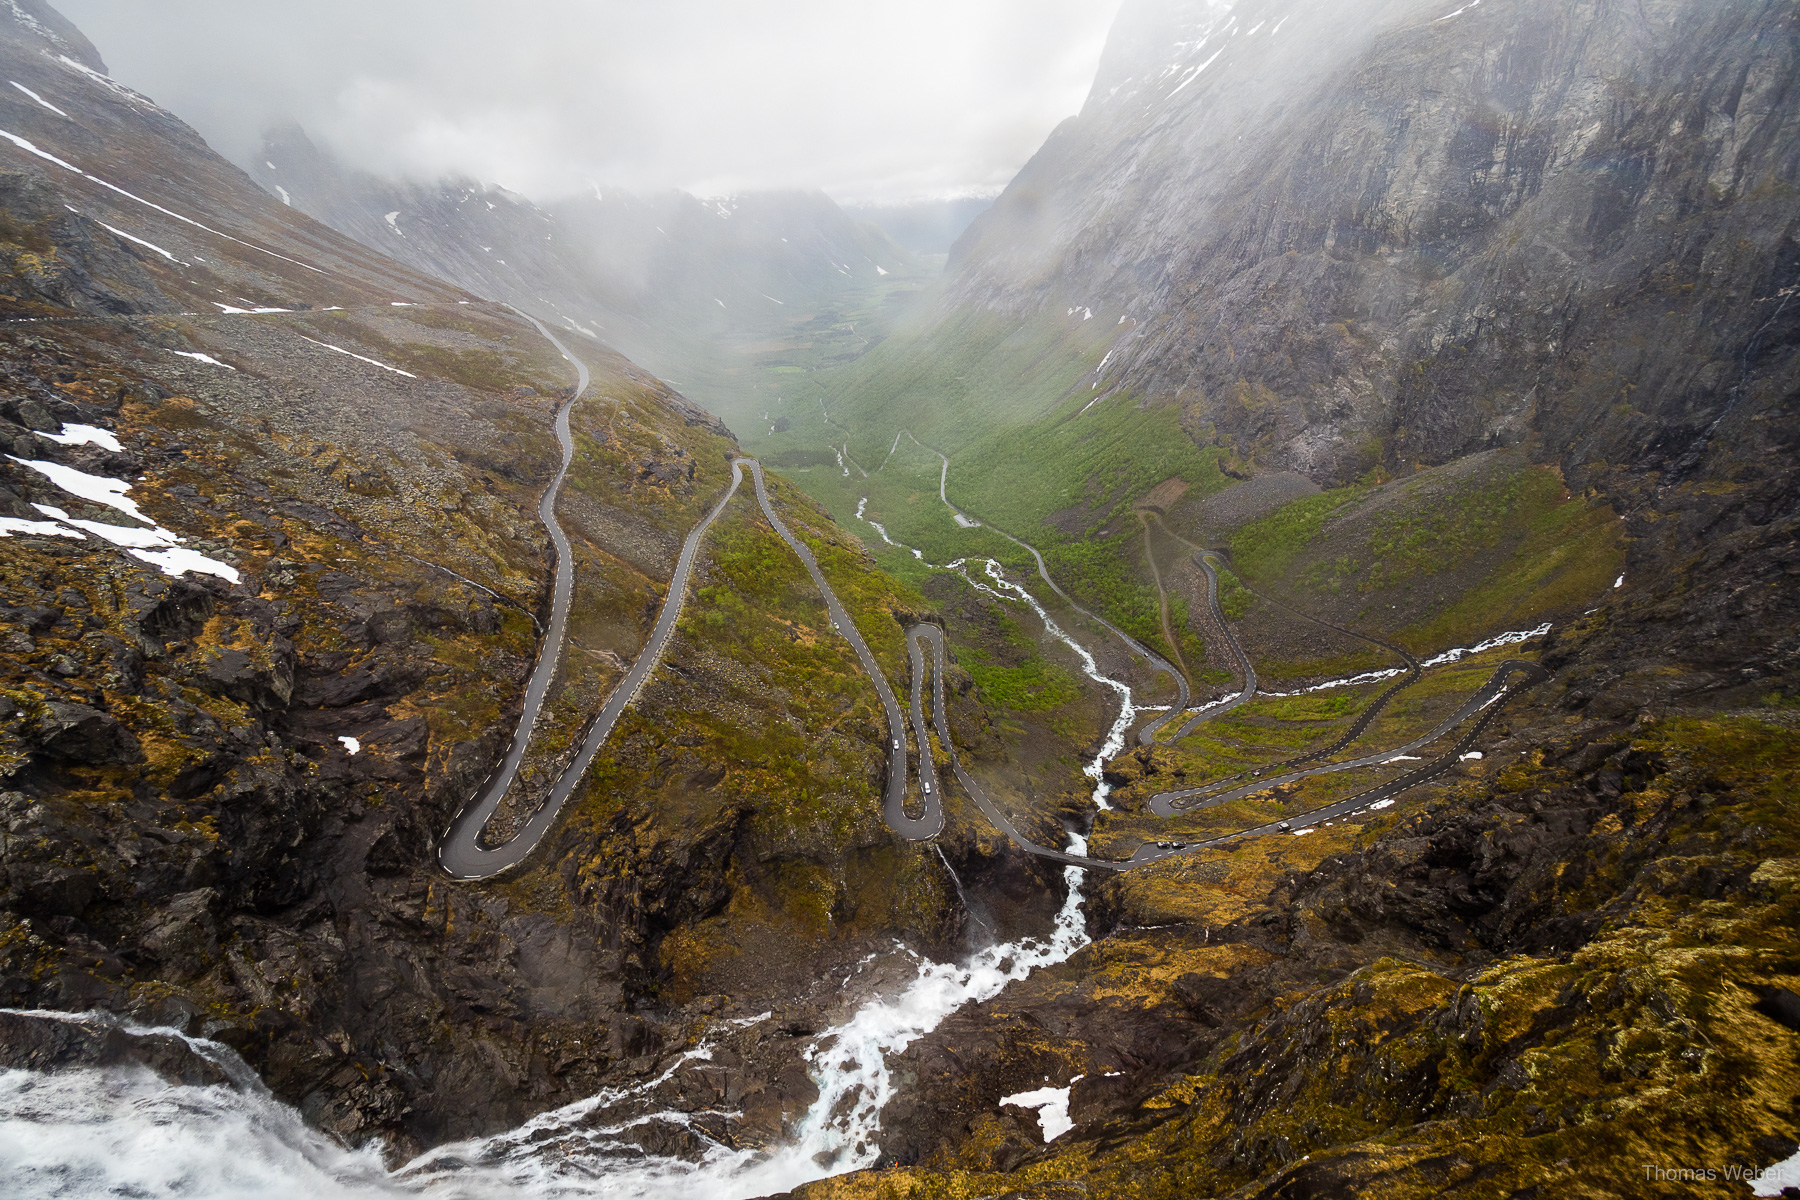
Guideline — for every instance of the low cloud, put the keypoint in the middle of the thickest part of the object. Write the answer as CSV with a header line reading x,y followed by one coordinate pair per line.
x,y
872,100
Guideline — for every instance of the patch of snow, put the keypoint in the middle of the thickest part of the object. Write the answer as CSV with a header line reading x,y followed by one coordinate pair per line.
x,y
285,198
1619,582
32,23
351,745
772,299
205,358
111,84
97,488
1195,73
268,164
1472,755
1302,832
718,302
1381,804
156,545
12,525
1251,32
1771,1180
1403,758
31,148
1052,1104
129,536
360,358
878,269
1459,12
393,220
84,435
140,241
42,103
233,310
178,560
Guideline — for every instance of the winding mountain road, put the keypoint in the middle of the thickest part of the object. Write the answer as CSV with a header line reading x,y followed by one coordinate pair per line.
x,y
931,822
1245,666
460,852
463,856
916,637
1508,680
1147,735
1357,728
1168,804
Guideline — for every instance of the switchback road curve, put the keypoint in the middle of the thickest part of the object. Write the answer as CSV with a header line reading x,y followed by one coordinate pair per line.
x,y
1508,680
916,638
930,822
464,857
1500,686
461,853
1357,729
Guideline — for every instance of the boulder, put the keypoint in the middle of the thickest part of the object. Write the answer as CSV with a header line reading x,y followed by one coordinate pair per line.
x,y
77,733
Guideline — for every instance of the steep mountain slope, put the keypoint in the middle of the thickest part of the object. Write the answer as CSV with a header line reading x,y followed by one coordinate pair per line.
x,y
1485,314
718,293
270,581
1347,243
1392,235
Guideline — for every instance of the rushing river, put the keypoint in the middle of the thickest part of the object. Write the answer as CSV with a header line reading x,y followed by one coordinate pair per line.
x,y
124,1132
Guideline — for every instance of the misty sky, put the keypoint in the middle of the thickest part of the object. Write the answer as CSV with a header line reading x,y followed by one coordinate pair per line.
x,y
872,100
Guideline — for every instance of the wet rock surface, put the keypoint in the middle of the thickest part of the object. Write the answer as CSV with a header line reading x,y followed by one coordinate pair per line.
x,y
36,1043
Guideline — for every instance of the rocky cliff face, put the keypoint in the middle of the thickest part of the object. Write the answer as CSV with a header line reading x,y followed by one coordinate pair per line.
x,y
1393,233
270,571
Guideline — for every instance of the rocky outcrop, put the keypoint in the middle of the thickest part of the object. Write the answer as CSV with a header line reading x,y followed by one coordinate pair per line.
x,y
1527,983
54,1043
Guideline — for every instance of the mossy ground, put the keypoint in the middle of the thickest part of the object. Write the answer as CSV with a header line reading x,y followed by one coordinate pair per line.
x,y
1404,1070
1441,558
754,763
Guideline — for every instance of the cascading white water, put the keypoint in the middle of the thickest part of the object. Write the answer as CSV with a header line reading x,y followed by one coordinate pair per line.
x,y
124,1132
1128,711
1115,737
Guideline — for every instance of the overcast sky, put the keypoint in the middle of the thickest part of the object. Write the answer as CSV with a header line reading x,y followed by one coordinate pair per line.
x,y
872,100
